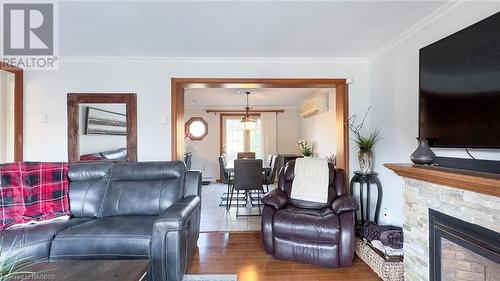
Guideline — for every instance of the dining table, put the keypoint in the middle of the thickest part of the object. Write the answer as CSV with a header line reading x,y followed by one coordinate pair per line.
x,y
229,168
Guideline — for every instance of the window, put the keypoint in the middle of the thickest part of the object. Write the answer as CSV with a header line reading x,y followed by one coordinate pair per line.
x,y
196,128
235,139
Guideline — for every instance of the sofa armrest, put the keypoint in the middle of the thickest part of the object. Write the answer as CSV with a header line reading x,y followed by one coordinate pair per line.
x,y
344,203
276,199
175,216
174,239
192,183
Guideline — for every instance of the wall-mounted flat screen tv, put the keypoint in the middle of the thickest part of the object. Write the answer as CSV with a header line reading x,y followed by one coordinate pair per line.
x,y
459,102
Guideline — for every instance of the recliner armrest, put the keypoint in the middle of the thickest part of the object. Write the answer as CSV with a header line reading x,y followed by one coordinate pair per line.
x,y
344,203
175,216
192,183
276,199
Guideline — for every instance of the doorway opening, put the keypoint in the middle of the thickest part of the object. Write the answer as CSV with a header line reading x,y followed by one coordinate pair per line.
x,y
277,112
178,85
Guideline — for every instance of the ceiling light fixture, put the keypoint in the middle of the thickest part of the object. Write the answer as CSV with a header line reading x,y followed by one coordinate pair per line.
x,y
247,122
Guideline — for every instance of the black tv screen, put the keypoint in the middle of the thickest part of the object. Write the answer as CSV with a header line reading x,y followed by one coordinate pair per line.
x,y
459,102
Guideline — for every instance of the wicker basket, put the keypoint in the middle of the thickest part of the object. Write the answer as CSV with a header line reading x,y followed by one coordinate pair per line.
x,y
387,270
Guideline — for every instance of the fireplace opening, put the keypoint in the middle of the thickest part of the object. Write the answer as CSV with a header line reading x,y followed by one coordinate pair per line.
x,y
461,251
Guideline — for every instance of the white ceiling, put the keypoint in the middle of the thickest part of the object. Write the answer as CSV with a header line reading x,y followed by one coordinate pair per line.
x,y
219,97
235,28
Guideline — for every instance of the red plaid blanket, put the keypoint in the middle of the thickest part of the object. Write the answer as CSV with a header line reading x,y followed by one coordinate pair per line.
x,y
11,196
33,191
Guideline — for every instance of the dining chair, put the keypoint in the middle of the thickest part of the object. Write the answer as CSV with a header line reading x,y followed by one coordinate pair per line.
x,y
269,159
247,177
222,165
187,159
246,155
226,178
268,178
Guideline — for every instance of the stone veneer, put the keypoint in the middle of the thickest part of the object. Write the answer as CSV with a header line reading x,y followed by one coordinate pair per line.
x,y
419,196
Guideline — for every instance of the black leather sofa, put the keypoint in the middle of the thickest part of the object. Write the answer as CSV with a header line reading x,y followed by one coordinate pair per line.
x,y
148,210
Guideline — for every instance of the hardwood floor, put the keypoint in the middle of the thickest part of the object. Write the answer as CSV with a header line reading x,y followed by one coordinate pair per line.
x,y
243,254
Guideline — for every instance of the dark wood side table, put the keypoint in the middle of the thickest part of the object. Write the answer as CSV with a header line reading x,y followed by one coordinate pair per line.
x,y
86,270
364,206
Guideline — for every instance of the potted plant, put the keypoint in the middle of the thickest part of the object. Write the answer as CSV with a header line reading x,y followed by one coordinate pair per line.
x,y
365,143
305,148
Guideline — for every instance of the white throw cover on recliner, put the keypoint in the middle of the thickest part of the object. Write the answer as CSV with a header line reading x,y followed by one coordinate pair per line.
x,y
311,180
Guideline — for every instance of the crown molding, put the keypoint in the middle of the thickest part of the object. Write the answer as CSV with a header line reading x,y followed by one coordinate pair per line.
x,y
435,15
104,59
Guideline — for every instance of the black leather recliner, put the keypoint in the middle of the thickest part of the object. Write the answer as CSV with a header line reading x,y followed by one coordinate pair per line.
x,y
148,210
315,233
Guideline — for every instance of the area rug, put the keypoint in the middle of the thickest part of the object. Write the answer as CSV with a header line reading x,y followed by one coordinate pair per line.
x,y
211,277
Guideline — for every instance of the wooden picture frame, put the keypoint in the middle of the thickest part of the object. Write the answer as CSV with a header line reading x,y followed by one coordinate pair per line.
x,y
73,103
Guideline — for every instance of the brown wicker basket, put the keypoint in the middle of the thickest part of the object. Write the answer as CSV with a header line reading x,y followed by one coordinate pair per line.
x,y
387,270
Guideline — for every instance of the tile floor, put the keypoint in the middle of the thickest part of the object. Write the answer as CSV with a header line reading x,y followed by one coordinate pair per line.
x,y
215,218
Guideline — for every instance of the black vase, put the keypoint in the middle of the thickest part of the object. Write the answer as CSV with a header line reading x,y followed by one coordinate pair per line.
x,y
423,154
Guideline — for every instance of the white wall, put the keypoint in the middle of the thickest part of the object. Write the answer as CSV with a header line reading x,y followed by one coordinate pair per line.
x,y
99,143
288,130
45,92
394,96
7,137
3,115
207,151
319,129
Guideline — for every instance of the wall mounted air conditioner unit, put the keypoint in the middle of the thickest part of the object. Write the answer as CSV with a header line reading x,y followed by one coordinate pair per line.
x,y
314,105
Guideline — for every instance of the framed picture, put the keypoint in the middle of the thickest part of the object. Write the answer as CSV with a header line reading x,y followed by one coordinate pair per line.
x,y
103,122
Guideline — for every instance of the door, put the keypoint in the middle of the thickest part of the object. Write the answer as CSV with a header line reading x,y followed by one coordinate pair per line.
x,y
235,139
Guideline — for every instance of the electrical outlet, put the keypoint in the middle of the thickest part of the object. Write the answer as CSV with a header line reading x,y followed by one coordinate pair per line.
x,y
386,217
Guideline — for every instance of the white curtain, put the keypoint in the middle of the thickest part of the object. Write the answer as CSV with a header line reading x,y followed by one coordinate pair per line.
x,y
269,134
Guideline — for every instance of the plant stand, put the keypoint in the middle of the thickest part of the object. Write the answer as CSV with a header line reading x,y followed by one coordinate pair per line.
x,y
366,180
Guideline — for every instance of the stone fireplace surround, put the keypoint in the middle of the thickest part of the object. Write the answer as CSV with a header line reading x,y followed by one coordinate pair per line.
x,y
420,196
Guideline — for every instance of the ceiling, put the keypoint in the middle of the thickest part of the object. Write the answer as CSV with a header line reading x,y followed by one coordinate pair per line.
x,y
220,97
235,28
